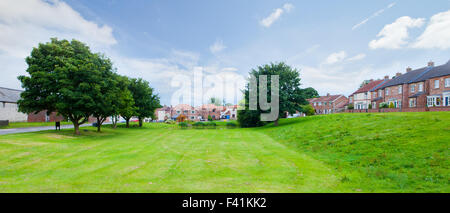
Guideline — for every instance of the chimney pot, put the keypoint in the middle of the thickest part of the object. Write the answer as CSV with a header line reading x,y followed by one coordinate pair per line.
x,y
431,64
398,74
386,77
328,94
408,69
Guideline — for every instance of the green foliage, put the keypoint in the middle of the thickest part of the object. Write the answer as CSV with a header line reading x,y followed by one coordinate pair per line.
x,y
210,118
370,106
350,106
291,96
64,77
199,125
231,125
211,125
308,109
383,105
309,93
183,125
391,105
215,101
145,101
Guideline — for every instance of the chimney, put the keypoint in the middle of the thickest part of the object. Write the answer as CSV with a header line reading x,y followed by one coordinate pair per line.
x,y
386,77
371,80
328,94
431,64
408,69
398,74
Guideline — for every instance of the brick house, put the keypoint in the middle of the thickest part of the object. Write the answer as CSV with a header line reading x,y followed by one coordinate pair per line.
x,y
362,98
328,104
43,117
422,88
186,110
212,110
377,95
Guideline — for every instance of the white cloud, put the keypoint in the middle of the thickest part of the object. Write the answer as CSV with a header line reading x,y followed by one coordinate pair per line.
x,y
379,12
276,14
436,34
217,47
24,24
395,35
336,57
357,57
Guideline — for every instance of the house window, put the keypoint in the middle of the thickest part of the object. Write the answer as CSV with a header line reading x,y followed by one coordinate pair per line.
x,y
400,89
192,111
387,91
178,111
379,92
412,102
413,88
436,84
47,118
420,87
365,95
192,117
320,103
446,100
447,82
433,101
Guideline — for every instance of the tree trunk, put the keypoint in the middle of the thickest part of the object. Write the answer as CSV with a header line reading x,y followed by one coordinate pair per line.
x,y
99,125
76,126
275,123
128,123
140,122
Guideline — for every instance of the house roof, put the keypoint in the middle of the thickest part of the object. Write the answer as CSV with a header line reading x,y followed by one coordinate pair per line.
x,y
368,87
407,77
377,99
416,95
381,84
437,71
325,98
9,95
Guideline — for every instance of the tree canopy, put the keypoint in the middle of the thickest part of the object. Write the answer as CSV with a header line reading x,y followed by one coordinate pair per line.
x,y
291,96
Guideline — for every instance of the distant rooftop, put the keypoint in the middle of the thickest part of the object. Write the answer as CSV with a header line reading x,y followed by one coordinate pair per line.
x,y
9,95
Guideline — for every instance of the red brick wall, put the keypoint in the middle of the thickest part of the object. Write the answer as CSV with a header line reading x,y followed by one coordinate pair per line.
x,y
442,87
40,117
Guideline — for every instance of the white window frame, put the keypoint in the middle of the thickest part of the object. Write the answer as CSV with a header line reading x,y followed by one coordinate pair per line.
x,y
420,87
433,101
380,93
447,82
412,102
413,88
387,91
400,89
436,84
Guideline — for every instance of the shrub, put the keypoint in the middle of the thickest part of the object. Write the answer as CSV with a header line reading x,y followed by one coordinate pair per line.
x,y
198,125
391,105
383,105
210,118
370,106
350,106
183,125
308,110
231,125
211,125
249,118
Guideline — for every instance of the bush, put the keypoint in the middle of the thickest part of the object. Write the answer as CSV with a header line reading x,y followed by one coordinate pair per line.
x,y
210,118
308,110
383,105
370,106
198,125
249,118
350,106
181,118
169,121
183,125
95,124
231,125
211,125
391,105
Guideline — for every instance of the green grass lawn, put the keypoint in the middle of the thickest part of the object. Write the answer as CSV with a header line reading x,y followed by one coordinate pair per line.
x,y
392,152
14,125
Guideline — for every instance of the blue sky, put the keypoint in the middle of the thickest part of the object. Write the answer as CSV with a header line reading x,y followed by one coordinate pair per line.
x,y
334,44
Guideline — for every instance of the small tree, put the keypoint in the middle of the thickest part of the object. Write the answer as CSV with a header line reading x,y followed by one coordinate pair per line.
x,y
391,105
145,101
350,106
370,106
181,118
210,118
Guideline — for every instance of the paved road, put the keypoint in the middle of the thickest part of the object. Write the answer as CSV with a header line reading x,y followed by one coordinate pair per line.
x,y
35,129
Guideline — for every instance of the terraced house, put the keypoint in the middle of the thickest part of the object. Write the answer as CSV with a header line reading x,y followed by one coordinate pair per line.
x,y
426,88
328,104
362,98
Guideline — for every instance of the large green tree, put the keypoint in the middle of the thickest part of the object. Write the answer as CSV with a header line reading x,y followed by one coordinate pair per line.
x,y
63,77
145,101
291,96
123,104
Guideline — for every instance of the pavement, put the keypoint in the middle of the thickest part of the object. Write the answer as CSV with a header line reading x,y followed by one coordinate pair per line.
x,y
36,129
